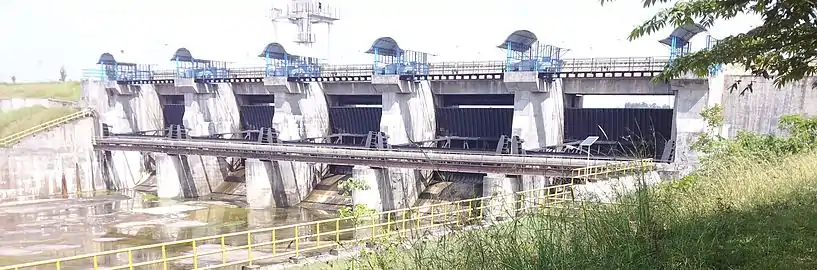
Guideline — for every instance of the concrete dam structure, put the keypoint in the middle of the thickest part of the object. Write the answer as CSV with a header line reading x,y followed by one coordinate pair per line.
x,y
528,105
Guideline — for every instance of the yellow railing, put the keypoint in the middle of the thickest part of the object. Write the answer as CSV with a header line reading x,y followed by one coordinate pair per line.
x,y
613,169
271,245
16,137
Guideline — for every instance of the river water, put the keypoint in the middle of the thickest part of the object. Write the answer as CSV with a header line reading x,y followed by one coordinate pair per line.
x,y
34,230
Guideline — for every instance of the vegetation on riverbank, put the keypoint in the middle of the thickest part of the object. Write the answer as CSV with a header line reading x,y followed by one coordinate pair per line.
x,y
21,119
57,90
749,207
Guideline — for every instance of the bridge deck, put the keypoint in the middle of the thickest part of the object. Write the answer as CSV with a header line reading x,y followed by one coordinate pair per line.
x,y
430,159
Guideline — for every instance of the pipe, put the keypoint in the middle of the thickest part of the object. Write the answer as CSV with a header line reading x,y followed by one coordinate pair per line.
x,y
348,152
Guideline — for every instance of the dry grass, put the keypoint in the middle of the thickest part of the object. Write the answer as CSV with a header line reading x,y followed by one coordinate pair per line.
x,y
18,120
57,90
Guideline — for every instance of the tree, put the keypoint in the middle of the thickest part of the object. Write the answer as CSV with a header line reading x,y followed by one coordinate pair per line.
x,y
13,79
63,74
782,48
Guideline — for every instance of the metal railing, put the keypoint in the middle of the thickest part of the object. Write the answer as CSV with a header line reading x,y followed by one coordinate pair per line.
x,y
277,244
607,171
16,137
621,64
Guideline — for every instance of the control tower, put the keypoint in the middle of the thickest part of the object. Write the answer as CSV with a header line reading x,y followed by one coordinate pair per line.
x,y
303,26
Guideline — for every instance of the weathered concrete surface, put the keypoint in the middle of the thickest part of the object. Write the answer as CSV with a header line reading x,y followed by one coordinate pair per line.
x,y
8,104
615,86
608,191
35,165
538,117
461,87
501,189
212,110
124,109
297,116
761,109
691,98
406,118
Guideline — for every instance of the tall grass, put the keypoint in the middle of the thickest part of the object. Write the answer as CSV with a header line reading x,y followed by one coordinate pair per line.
x,y
752,206
57,90
24,118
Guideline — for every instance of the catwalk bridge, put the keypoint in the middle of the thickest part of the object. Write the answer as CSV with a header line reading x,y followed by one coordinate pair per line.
x,y
575,67
555,165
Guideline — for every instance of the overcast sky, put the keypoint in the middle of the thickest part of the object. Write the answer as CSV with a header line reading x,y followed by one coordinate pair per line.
x,y
39,36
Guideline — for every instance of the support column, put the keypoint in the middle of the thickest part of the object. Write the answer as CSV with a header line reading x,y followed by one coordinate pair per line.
x,y
371,197
170,174
501,204
538,116
300,112
129,109
692,96
259,175
209,109
408,117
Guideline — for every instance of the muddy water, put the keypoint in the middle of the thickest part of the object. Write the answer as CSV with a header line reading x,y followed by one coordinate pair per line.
x,y
35,230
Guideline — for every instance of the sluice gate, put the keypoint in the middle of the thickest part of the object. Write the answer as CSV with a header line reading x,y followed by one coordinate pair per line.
x,y
640,132
481,120
172,110
255,112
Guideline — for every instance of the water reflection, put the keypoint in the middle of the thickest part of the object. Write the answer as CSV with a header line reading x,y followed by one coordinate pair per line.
x,y
59,227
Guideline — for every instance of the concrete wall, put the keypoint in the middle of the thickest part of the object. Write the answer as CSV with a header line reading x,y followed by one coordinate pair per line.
x,y
35,165
760,110
9,104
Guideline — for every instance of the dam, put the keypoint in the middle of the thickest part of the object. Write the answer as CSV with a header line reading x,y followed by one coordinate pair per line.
x,y
216,149
414,115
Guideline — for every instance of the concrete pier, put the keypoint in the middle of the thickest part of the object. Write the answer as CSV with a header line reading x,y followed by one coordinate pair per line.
x,y
209,109
408,117
371,197
691,98
128,109
300,112
538,117
501,188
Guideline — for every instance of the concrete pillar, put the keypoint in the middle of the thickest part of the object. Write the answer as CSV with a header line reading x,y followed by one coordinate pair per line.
x,y
501,190
128,109
258,175
299,114
692,96
169,175
538,116
371,197
407,117
209,109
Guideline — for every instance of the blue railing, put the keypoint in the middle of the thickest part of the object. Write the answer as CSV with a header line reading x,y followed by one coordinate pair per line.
x,y
575,65
109,74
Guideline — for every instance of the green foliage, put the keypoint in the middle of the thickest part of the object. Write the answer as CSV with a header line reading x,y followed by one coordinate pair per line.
x,y
347,186
781,48
355,212
745,216
801,137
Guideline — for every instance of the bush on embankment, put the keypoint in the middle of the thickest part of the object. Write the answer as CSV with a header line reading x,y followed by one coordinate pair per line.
x,y
751,206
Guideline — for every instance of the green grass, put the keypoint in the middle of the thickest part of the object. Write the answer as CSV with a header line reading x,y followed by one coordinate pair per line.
x,y
21,119
752,205
748,216
65,91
